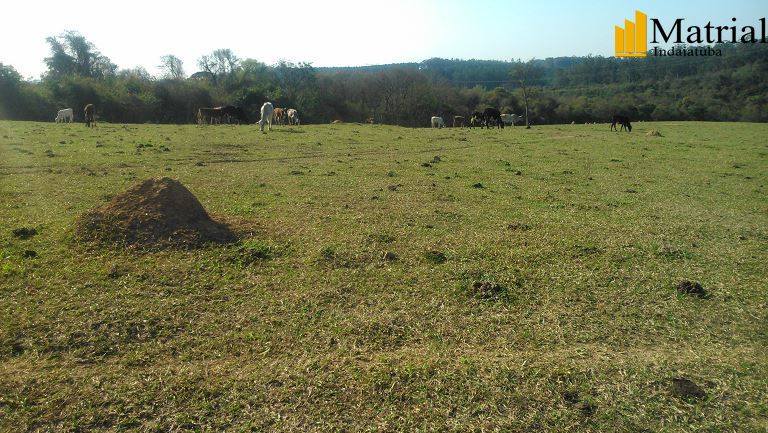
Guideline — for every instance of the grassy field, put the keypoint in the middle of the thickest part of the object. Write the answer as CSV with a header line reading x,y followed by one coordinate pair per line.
x,y
529,282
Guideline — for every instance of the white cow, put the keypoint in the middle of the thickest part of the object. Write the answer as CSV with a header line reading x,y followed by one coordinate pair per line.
x,y
511,119
293,116
437,122
65,115
266,116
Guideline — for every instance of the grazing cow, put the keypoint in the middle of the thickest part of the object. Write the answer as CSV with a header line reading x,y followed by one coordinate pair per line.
x,y
370,120
492,117
267,113
458,120
90,115
231,112
293,116
278,116
511,119
65,115
476,119
623,121
437,122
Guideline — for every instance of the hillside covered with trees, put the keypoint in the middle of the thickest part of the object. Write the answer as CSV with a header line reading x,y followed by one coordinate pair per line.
x,y
731,87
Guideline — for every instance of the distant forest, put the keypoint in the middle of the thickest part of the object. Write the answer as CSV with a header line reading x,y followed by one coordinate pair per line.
x,y
731,87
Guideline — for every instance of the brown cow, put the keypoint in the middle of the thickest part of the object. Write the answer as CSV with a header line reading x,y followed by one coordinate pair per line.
x,y
278,116
90,115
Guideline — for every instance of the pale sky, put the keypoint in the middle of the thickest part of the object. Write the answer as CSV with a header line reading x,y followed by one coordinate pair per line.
x,y
338,33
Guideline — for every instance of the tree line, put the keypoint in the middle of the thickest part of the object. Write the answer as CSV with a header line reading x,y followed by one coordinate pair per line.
x,y
731,87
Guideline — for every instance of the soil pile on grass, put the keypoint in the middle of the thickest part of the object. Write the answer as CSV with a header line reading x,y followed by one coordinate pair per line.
x,y
158,212
691,288
686,389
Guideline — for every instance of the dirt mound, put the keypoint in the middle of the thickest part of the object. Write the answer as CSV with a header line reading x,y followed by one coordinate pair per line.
x,y
24,233
691,288
156,212
487,289
687,389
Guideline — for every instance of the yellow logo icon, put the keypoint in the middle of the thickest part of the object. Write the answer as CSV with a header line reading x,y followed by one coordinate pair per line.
x,y
632,40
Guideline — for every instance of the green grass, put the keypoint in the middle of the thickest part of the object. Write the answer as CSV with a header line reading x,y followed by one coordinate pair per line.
x,y
581,235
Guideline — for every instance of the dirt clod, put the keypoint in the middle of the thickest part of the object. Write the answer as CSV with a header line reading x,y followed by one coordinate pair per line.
x,y
157,212
24,233
435,257
691,288
686,389
486,289
115,271
585,407
389,256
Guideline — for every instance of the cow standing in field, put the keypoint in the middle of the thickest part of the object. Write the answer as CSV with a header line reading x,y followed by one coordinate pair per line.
x,y
293,116
437,122
65,115
623,121
476,119
267,111
458,120
278,116
492,117
90,115
511,119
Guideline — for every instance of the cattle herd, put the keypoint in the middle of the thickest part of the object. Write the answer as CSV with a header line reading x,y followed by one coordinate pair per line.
x,y
489,118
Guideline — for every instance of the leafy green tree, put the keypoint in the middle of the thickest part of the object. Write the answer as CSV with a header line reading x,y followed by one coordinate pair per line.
x,y
72,54
220,65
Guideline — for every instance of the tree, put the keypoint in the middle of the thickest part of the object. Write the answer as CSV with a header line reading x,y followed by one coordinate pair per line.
x,y
525,75
10,83
221,63
172,67
72,54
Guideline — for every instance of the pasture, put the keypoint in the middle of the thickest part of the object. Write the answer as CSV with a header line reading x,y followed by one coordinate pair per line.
x,y
391,279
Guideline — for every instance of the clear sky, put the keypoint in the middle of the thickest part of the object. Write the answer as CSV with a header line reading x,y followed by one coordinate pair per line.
x,y
338,33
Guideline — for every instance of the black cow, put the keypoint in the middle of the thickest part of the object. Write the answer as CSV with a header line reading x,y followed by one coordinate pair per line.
x,y
492,117
476,119
621,120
